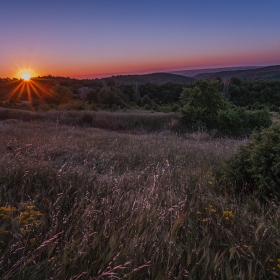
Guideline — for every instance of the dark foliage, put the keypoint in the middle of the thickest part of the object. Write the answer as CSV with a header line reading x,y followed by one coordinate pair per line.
x,y
206,108
255,168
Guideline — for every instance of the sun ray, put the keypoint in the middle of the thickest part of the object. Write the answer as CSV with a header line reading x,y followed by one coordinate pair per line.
x,y
17,88
28,88
28,93
42,88
32,85
21,90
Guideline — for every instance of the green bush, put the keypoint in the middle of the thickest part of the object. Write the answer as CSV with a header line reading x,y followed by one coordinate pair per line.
x,y
205,107
255,168
237,121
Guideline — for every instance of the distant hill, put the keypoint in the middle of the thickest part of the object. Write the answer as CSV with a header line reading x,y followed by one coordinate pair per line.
x,y
265,73
194,72
154,77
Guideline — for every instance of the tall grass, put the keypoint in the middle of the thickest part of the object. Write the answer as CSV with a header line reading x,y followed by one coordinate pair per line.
x,y
87,203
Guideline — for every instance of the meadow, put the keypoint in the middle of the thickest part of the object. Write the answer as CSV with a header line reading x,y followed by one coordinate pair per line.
x,y
115,196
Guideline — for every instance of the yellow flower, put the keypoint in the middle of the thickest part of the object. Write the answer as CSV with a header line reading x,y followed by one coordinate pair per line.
x,y
246,246
8,209
228,214
213,210
4,216
198,212
271,260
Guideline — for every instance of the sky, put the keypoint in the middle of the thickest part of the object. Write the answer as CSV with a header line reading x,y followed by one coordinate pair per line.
x,y
82,38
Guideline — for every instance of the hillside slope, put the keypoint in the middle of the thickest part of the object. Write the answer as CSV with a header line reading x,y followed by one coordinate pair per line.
x,y
194,72
266,73
154,77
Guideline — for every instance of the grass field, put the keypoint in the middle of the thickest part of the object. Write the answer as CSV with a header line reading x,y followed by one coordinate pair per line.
x,y
80,202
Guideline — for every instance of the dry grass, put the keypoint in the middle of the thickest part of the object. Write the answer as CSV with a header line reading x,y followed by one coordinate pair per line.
x,y
109,205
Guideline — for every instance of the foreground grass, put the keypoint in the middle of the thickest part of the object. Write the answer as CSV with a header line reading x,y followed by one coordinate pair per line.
x,y
85,203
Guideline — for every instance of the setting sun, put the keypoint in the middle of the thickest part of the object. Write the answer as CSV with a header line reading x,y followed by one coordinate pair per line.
x,y
25,76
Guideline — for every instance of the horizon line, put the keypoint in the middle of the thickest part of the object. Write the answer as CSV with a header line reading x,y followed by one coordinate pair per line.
x,y
125,73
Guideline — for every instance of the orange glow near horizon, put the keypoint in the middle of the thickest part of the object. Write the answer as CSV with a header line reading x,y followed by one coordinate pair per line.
x,y
149,63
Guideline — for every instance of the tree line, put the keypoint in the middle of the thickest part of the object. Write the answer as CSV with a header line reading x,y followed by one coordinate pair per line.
x,y
214,105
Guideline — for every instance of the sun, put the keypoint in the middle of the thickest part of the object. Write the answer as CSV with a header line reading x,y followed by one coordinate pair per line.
x,y
25,76
27,86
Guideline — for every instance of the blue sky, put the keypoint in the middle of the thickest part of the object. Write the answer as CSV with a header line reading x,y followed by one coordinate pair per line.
x,y
71,38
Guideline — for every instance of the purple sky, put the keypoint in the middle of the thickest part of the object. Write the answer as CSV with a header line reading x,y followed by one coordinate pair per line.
x,y
70,38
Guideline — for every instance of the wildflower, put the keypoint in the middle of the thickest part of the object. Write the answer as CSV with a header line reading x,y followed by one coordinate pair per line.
x,y
213,210
198,212
246,246
4,216
8,209
271,260
228,214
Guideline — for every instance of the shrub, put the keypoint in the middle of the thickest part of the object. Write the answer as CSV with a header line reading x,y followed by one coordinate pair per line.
x,y
255,168
206,107
237,121
59,95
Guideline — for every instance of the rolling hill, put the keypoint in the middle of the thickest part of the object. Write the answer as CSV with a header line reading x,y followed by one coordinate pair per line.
x,y
265,73
194,72
154,77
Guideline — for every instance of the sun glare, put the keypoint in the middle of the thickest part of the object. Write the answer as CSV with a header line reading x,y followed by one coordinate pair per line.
x,y
27,86
25,76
